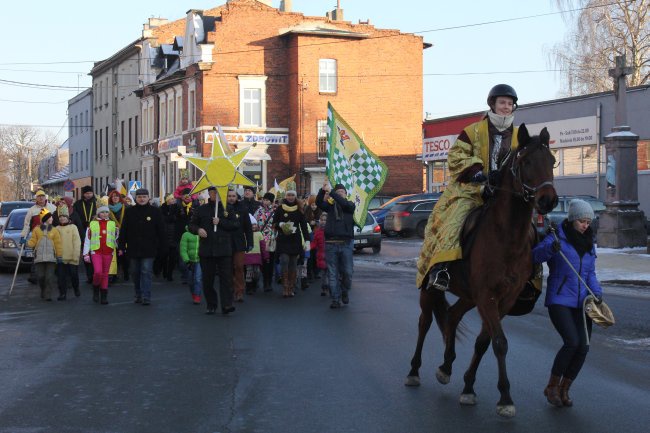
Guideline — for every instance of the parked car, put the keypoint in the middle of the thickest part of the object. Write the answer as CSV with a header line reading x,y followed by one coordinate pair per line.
x,y
10,241
381,212
379,200
369,236
409,217
561,212
7,206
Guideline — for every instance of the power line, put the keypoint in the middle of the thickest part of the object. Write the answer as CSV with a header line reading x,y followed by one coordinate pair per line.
x,y
33,102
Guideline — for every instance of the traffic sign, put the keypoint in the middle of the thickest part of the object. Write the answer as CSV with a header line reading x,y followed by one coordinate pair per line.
x,y
134,185
68,185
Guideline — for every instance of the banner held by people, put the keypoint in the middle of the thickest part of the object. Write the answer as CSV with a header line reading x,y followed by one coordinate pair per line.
x,y
351,163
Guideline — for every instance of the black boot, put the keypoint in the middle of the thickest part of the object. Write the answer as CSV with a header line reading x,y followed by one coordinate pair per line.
x,y
439,277
95,293
104,294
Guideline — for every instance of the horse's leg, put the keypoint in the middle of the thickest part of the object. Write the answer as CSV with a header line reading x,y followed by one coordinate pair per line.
x,y
492,319
468,397
424,323
454,316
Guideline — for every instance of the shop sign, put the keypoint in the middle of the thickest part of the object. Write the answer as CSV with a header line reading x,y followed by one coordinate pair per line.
x,y
172,143
250,138
579,131
437,148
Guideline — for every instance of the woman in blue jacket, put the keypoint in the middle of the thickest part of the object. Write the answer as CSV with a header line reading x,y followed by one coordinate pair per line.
x,y
565,294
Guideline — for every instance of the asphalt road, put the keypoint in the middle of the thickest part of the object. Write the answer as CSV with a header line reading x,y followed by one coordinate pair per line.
x,y
294,365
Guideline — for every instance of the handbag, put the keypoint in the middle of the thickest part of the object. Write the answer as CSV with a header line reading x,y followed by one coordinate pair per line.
x,y
272,242
600,313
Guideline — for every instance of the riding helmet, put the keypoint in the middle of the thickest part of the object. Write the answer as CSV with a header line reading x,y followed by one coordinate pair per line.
x,y
501,90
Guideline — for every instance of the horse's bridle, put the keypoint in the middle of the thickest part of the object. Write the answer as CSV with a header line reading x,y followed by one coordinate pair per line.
x,y
527,192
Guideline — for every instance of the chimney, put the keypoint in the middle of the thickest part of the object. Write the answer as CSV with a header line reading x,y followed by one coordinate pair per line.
x,y
285,5
336,14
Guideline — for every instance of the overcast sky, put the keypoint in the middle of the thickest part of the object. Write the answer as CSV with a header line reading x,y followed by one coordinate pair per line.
x,y
464,62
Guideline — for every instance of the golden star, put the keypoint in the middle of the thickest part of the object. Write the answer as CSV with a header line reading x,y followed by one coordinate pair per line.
x,y
220,169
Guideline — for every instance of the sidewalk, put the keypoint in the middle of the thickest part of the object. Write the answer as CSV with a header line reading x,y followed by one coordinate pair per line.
x,y
623,266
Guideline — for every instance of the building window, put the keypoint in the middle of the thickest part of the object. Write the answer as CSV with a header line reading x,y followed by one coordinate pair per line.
x,y
70,127
327,75
170,116
130,132
98,154
322,139
162,123
135,132
179,112
106,136
252,101
192,110
86,159
86,125
122,135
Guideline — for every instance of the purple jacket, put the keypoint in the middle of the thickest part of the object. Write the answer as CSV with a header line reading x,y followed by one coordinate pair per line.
x,y
563,286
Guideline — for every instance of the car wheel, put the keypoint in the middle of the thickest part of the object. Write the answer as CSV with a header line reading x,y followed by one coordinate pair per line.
x,y
376,249
420,229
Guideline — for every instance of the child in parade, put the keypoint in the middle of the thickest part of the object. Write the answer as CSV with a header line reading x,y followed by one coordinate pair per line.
x,y
254,258
46,242
99,246
117,206
318,251
67,270
189,251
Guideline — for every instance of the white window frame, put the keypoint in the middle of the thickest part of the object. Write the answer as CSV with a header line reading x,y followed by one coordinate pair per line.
x,y
191,105
162,117
327,75
252,82
179,112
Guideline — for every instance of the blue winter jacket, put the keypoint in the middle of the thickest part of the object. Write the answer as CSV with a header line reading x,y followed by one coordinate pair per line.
x,y
563,286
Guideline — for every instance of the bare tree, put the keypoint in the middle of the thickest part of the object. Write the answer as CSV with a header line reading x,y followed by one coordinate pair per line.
x,y
603,29
21,151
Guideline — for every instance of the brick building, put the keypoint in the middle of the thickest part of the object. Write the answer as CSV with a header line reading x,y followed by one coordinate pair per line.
x,y
266,75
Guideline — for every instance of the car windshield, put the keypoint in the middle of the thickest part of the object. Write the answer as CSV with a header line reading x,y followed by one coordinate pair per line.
x,y
8,207
392,202
16,221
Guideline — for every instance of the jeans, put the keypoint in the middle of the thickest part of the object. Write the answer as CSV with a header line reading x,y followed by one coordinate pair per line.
x,y
194,278
141,271
339,264
569,324
288,263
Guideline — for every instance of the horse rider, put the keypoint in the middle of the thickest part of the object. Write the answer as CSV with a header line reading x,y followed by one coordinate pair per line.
x,y
474,161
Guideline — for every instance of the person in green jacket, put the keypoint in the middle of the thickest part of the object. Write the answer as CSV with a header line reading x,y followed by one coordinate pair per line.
x,y
189,250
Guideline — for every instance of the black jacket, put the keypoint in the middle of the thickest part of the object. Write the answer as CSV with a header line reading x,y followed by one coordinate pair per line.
x,y
292,243
242,236
340,216
87,210
217,244
183,218
170,213
143,232
251,205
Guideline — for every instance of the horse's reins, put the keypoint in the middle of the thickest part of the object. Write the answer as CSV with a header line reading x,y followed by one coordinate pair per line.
x,y
527,192
584,302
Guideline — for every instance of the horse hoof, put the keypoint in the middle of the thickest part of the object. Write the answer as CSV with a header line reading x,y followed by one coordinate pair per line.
x,y
507,411
468,399
412,381
442,377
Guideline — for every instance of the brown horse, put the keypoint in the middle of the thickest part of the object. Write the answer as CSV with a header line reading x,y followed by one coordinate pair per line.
x,y
494,271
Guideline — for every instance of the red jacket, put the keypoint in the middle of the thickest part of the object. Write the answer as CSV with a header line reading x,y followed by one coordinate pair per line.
x,y
318,244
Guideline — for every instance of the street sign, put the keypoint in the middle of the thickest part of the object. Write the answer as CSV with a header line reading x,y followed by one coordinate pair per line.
x,y
134,185
68,185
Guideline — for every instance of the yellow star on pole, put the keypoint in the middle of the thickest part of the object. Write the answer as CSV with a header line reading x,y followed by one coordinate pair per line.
x,y
220,169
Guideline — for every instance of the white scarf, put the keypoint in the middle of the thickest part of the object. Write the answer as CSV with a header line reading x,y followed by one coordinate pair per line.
x,y
501,123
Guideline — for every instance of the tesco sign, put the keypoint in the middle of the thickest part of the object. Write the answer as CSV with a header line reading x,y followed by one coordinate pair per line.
x,y
437,148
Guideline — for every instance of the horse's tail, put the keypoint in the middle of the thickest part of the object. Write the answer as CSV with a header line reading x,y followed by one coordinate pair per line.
x,y
441,311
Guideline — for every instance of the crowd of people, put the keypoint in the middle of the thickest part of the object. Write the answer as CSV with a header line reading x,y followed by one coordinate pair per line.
x,y
244,242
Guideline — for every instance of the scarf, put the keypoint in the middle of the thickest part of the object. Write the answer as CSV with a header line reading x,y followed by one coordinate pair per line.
x,y
115,208
501,123
288,208
582,242
187,207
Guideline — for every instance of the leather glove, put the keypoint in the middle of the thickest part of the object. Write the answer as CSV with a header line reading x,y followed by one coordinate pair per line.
x,y
87,258
555,246
59,261
23,241
598,299
479,177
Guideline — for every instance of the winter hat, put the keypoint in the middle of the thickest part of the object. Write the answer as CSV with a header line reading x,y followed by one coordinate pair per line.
x,y
291,191
580,209
142,191
102,209
269,196
252,188
340,186
87,188
45,216
186,191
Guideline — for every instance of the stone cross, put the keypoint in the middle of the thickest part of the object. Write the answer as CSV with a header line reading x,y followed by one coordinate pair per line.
x,y
618,74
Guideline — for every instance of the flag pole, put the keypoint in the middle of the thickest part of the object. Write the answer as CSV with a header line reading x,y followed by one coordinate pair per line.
x,y
216,210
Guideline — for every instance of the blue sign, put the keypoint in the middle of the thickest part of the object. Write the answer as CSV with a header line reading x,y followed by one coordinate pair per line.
x,y
134,185
68,185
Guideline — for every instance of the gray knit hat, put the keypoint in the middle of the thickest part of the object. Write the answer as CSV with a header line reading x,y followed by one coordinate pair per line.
x,y
101,209
580,209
